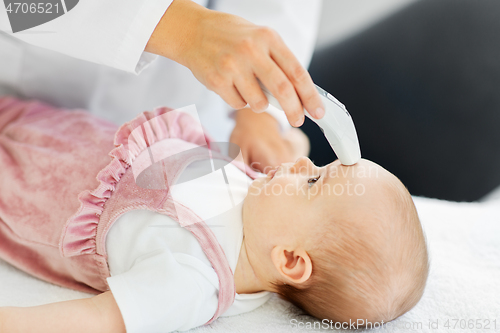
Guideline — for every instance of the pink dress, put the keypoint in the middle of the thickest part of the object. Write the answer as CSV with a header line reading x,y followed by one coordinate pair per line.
x,y
66,176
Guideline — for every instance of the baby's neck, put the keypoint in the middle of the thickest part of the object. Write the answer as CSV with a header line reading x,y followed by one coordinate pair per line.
x,y
245,278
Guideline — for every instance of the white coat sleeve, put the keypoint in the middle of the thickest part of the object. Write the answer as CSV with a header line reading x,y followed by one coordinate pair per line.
x,y
296,21
112,32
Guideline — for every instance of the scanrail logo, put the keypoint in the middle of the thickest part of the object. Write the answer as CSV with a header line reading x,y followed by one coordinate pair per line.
x,y
24,15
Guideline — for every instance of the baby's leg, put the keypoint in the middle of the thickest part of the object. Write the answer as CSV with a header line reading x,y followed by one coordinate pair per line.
x,y
47,157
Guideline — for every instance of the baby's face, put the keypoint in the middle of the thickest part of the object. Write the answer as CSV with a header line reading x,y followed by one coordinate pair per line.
x,y
297,197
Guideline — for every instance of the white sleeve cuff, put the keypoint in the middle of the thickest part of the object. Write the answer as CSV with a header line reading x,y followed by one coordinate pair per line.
x,y
126,303
131,56
113,33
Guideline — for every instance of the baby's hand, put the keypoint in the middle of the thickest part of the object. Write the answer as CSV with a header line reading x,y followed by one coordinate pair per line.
x,y
262,144
89,315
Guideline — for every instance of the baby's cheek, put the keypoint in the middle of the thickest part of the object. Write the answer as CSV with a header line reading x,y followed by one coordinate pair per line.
x,y
285,181
291,186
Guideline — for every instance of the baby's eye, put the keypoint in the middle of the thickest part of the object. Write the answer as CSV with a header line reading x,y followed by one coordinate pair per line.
x,y
311,181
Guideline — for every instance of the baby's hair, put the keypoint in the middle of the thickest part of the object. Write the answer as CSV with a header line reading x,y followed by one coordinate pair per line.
x,y
374,273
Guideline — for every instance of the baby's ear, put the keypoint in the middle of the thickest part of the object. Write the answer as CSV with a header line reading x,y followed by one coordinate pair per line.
x,y
294,265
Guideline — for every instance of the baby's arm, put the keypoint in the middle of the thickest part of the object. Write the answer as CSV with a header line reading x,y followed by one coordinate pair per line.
x,y
90,315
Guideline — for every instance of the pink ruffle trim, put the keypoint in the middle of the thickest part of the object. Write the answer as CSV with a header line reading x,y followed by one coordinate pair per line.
x,y
79,233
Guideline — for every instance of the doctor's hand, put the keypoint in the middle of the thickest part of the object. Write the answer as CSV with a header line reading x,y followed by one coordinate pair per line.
x,y
262,144
228,53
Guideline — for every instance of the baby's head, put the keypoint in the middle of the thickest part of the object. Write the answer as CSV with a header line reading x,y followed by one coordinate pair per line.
x,y
341,242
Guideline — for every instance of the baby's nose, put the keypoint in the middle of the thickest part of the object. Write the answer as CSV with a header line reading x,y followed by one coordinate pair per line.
x,y
303,164
303,161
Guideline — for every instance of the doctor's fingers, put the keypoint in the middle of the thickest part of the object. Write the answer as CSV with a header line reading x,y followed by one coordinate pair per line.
x,y
231,96
275,80
299,77
249,89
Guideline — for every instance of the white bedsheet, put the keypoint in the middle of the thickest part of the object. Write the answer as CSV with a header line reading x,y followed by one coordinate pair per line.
x,y
464,281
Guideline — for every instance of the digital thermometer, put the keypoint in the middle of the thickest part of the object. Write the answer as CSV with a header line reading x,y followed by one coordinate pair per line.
x,y
336,125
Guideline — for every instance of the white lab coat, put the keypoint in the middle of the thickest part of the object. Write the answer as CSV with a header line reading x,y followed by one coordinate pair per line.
x,y
93,58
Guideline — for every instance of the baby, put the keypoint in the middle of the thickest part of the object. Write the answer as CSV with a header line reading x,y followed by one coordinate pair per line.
x,y
342,243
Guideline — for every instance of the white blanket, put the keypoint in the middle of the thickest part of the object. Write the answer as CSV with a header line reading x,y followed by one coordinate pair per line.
x,y
462,293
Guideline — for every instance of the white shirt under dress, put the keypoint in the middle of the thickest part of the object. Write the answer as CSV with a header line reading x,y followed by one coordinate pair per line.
x,y
160,277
